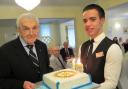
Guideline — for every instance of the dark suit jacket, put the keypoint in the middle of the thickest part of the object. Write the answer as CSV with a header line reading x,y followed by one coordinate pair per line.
x,y
63,53
16,67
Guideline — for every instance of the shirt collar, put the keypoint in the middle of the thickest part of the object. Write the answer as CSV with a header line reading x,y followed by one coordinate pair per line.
x,y
99,38
23,42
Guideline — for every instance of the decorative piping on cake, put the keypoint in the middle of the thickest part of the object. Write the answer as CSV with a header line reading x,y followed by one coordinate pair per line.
x,y
90,77
46,85
57,85
82,85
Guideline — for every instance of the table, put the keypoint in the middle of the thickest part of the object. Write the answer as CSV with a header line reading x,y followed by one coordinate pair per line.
x,y
88,86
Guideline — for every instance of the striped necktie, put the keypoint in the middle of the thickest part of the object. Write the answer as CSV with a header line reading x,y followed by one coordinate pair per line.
x,y
34,58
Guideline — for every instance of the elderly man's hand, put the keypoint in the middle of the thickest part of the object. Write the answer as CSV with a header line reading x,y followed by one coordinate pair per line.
x,y
28,85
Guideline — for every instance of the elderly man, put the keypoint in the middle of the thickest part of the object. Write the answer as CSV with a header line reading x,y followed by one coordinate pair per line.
x,y
56,61
66,52
24,60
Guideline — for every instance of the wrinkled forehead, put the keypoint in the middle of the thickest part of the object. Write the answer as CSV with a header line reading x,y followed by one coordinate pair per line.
x,y
25,22
55,49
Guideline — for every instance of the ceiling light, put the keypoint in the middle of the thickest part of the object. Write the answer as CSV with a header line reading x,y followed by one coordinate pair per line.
x,y
28,4
117,25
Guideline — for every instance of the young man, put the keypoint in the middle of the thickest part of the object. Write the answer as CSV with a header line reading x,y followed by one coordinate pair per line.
x,y
101,57
24,60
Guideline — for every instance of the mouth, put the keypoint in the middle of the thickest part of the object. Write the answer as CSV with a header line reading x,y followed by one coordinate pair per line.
x,y
31,36
89,29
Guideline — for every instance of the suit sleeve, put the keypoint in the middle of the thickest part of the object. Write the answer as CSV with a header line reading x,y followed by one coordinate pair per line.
x,y
7,82
47,61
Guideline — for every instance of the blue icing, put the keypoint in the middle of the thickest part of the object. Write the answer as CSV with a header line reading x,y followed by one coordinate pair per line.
x,y
90,77
82,85
57,85
46,85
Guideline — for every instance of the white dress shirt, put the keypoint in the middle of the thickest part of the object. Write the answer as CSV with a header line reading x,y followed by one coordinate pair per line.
x,y
112,65
26,48
123,81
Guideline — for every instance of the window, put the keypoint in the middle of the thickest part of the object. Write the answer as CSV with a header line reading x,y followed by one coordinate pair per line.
x,y
45,33
45,29
71,36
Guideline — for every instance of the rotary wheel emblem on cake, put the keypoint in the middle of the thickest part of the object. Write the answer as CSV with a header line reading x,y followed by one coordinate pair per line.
x,y
65,73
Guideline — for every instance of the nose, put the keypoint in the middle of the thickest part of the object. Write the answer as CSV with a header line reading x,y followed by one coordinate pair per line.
x,y
31,31
87,24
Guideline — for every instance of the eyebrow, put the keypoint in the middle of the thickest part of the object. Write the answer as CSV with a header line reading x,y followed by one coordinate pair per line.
x,y
28,26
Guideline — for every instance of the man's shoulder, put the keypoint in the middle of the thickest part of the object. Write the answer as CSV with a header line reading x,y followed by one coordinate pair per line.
x,y
70,48
107,41
61,49
9,47
86,42
38,42
10,43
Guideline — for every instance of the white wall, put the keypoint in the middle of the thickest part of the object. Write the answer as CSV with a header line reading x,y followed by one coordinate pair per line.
x,y
120,31
7,31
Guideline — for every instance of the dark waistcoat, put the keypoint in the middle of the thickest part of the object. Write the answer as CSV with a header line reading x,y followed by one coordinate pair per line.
x,y
94,63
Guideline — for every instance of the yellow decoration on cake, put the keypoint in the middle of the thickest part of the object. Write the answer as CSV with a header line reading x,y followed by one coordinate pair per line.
x,y
65,74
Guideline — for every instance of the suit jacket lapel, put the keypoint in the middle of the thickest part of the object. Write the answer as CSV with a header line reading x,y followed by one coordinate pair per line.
x,y
22,52
40,55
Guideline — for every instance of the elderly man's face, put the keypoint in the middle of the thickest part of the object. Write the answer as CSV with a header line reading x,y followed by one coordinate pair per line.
x,y
28,30
56,52
65,44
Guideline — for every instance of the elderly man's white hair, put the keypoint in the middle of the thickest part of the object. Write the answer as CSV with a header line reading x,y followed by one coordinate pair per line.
x,y
28,16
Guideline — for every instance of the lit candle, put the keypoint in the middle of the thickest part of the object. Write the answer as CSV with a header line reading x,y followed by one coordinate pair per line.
x,y
73,63
79,66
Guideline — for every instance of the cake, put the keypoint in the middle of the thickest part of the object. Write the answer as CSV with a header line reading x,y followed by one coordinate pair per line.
x,y
66,79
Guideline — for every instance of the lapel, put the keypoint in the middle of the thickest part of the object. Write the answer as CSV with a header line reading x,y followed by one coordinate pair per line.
x,y
21,52
40,54
69,51
66,51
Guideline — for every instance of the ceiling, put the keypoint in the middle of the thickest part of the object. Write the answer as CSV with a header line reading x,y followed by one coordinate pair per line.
x,y
50,2
115,12
42,21
47,3
118,11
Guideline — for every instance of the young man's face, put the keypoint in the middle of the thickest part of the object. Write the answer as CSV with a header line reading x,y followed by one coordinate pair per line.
x,y
28,30
92,22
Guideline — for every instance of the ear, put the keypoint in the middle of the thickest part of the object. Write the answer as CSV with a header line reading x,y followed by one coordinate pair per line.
x,y
102,20
17,30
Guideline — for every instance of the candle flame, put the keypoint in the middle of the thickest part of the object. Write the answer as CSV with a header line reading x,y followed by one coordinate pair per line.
x,y
73,60
78,61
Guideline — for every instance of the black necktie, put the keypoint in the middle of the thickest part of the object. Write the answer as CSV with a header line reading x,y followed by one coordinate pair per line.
x,y
61,63
91,46
34,58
